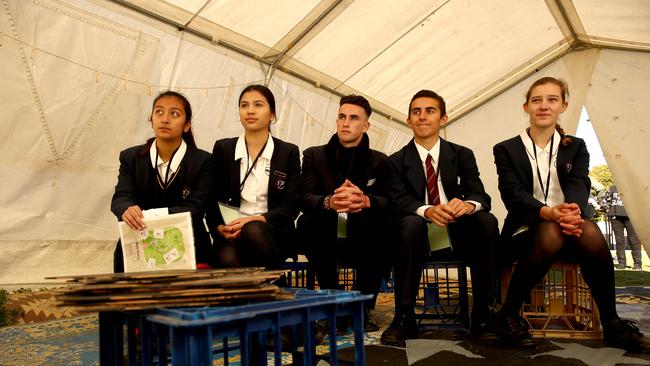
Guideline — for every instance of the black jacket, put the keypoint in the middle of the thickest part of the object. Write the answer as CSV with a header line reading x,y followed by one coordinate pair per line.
x,y
516,180
188,191
456,167
283,183
320,176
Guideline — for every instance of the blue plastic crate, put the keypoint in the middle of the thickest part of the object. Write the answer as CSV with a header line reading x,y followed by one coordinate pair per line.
x,y
193,332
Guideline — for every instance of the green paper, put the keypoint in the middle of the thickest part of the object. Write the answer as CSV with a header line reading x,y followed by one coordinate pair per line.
x,y
438,237
342,226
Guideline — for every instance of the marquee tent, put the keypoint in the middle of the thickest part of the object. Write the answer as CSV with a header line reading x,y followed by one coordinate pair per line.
x,y
78,78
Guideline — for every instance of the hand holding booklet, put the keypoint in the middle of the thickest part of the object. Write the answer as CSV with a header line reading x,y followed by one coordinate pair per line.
x,y
166,243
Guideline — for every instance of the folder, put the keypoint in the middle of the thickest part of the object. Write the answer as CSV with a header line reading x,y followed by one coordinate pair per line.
x,y
438,238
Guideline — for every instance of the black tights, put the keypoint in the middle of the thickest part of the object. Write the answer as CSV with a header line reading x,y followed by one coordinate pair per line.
x,y
256,247
546,243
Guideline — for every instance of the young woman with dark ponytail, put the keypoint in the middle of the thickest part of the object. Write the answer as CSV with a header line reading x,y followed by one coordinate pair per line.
x,y
258,174
168,174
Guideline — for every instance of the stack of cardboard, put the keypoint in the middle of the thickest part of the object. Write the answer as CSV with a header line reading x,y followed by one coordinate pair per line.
x,y
179,288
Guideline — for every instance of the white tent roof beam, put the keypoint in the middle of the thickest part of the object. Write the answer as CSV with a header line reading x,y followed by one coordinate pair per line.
x,y
279,56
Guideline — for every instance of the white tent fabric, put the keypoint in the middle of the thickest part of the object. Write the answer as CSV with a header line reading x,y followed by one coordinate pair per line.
x,y
79,77
619,105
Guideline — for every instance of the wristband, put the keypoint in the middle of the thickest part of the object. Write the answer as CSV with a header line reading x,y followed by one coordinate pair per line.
x,y
326,202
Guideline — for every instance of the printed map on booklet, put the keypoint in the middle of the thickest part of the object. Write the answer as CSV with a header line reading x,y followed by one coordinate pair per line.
x,y
166,243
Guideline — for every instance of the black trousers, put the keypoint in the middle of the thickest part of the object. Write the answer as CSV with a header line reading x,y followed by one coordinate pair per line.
x,y
261,244
474,239
364,249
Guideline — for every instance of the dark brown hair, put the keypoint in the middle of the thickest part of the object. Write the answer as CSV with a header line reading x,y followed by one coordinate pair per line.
x,y
433,95
357,100
564,91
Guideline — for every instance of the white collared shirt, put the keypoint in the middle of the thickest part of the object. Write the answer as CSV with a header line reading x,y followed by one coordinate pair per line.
x,y
435,155
555,194
162,165
162,172
254,195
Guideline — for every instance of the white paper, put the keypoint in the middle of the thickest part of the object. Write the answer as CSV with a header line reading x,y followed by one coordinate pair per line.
x,y
521,229
166,243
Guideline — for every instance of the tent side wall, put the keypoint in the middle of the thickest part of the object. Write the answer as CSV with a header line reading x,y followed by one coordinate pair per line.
x,y
79,81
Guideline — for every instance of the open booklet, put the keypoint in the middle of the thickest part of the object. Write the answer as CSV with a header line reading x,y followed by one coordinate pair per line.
x,y
166,243
438,238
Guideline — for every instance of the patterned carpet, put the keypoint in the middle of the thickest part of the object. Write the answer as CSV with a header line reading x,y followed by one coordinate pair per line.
x,y
51,336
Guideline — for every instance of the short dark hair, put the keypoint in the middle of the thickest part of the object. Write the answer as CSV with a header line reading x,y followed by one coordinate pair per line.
x,y
424,93
357,100
266,92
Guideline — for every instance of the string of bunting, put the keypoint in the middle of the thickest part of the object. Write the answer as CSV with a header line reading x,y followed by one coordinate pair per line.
x,y
149,86
99,75
309,117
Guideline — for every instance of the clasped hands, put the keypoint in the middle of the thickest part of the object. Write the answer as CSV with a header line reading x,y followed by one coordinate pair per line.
x,y
348,198
232,230
567,215
443,214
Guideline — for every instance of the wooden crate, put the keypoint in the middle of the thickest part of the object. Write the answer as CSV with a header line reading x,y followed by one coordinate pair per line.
x,y
561,306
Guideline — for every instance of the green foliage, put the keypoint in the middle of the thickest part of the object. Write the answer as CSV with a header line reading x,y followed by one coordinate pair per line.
x,y
6,316
627,278
602,175
601,180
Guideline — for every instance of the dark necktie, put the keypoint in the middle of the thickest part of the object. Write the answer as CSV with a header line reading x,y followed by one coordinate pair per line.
x,y
432,183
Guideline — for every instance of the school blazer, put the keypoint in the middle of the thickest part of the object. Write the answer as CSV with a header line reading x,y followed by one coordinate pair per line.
x,y
188,192
320,179
457,170
283,183
516,180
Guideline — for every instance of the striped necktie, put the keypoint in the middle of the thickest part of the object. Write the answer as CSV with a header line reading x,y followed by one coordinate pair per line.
x,y
432,183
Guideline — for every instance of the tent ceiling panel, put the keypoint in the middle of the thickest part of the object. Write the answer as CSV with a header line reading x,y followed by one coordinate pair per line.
x,y
459,50
627,20
341,48
190,5
265,21
468,51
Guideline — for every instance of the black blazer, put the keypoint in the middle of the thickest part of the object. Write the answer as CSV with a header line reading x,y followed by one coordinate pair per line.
x,y
456,167
189,190
320,177
516,180
283,183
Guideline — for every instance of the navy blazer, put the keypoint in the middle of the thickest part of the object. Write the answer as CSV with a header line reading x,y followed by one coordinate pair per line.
x,y
516,180
283,183
457,170
188,191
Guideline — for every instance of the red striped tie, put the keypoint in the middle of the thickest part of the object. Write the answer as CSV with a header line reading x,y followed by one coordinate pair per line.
x,y
432,183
